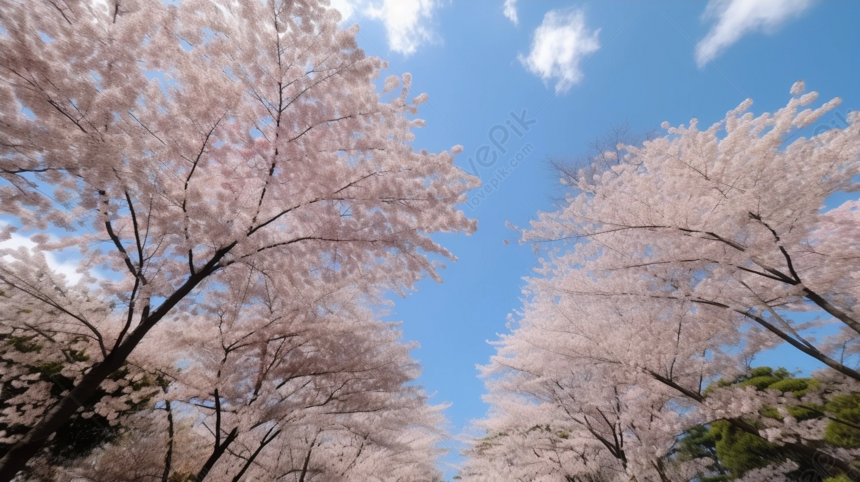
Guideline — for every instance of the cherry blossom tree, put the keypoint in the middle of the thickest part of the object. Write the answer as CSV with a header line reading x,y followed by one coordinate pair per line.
x,y
277,373
570,401
670,265
314,394
736,205
609,404
173,147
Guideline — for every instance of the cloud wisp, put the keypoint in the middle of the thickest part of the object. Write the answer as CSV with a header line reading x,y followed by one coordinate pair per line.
x,y
737,18
560,45
65,267
406,21
510,11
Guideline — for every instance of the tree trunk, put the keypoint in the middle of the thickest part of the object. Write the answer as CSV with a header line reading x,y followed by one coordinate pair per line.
x,y
307,461
168,457
216,454
21,453
18,456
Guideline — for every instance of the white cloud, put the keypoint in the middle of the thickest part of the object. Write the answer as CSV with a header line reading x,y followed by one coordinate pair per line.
x,y
345,7
511,11
560,45
406,21
66,267
737,18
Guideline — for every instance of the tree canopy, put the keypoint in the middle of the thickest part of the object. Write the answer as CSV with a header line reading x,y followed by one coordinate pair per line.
x,y
241,195
672,262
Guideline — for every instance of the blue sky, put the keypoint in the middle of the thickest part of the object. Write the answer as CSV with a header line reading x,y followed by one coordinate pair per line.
x,y
575,68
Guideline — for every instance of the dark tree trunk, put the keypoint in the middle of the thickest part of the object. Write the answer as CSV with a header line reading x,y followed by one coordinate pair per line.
x,y
17,457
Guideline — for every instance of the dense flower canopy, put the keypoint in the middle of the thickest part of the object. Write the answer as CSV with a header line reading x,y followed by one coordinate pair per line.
x,y
639,311
241,195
